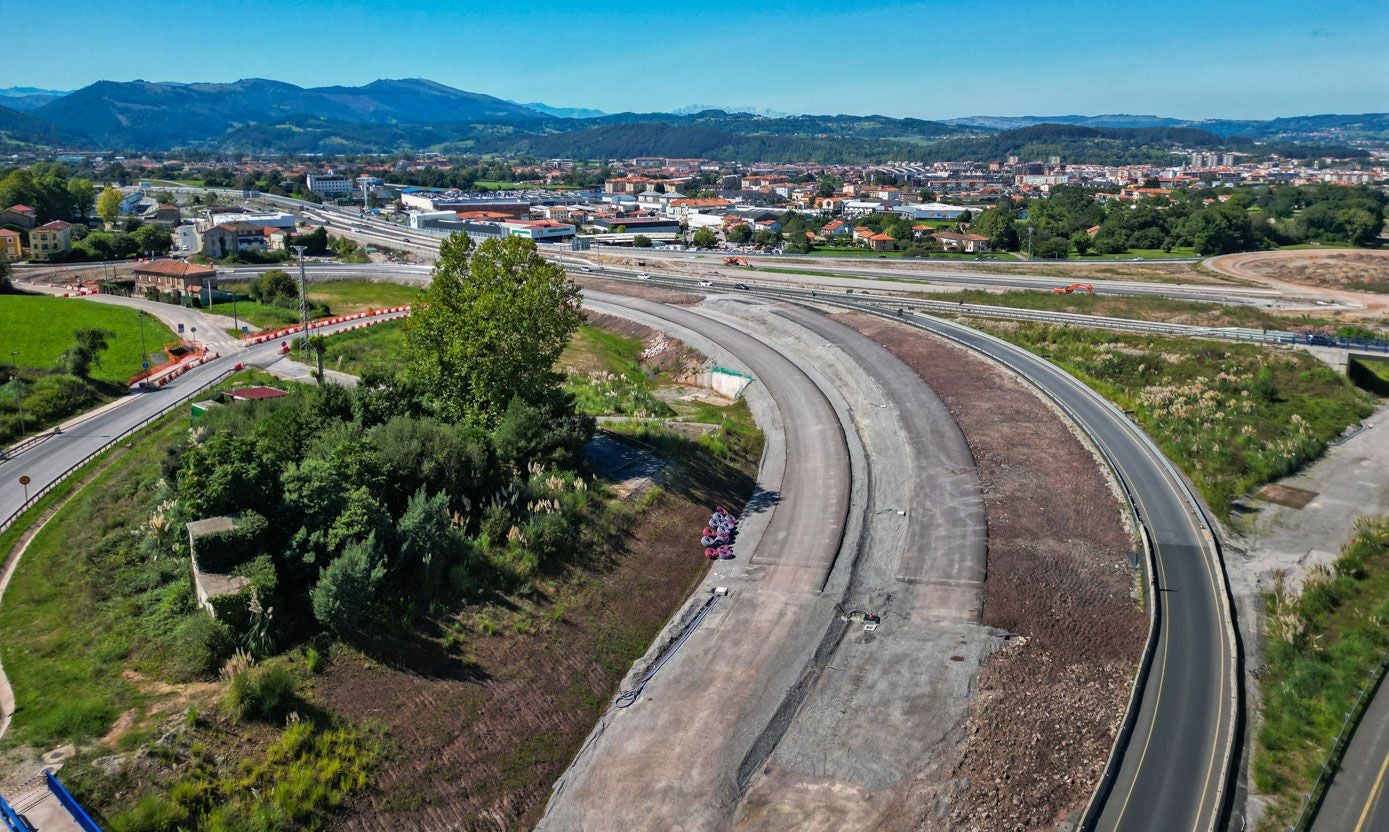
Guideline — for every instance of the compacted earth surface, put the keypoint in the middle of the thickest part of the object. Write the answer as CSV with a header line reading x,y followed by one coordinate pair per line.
x,y
1059,546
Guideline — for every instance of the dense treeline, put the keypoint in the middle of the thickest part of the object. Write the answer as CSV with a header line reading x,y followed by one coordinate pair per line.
x,y
1208,221
50,190
407,492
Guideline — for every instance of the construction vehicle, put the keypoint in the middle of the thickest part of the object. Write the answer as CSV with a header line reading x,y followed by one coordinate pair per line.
x,y
1074,287
737,261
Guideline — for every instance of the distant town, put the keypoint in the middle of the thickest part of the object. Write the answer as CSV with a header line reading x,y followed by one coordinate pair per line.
x,y
904,209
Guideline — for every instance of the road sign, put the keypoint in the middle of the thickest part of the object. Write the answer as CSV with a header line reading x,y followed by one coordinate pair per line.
x,y
144,365
24,479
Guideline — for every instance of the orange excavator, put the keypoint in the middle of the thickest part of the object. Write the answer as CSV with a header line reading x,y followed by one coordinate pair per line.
x,y
736,261
1074,287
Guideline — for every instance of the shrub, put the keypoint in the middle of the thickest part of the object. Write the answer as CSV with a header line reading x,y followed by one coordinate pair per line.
x,y
202,644
264,694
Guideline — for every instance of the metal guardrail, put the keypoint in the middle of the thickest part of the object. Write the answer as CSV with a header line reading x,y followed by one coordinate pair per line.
x,y
70,803
1313,802
40,493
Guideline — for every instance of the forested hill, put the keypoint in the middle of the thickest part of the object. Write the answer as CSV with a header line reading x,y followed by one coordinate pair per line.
x,y
259,116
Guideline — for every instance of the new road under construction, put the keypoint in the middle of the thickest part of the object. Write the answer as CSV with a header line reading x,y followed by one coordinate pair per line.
x,y
829,686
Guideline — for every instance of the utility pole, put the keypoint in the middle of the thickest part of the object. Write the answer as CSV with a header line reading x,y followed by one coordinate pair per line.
x,y
303,295
1029,241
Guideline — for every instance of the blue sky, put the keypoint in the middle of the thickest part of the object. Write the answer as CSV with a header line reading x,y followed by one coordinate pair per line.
x,y
932,59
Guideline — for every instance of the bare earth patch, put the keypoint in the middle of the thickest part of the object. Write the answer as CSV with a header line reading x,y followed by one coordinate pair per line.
x,y
1041,728
1356,276
656,294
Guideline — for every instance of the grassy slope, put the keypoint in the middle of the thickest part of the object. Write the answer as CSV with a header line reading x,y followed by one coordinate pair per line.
x,y
1140,308
83,604
606,376
75,613
1322,647
42,327
1232,416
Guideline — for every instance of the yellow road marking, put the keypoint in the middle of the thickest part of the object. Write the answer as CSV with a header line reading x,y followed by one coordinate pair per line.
x,y
1374,795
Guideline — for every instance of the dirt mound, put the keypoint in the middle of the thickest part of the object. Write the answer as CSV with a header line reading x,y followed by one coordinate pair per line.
x,y
1041,729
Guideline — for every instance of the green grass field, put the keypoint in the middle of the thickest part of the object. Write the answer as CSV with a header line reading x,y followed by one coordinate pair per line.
x,y
347,296
1141,254
40,328
1232,416
378,347
343,297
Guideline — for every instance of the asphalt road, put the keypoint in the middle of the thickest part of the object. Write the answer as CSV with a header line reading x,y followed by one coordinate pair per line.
x,y
670,760
1355,801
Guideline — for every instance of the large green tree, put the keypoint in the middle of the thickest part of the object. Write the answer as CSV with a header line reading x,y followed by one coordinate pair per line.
x,y
108,205
705,238
491,327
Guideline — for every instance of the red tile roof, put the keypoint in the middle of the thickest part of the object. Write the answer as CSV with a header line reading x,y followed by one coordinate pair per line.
x,y
174,268
252,393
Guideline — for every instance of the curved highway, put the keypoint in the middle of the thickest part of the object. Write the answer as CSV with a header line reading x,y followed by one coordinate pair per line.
x,y
670,760
1174,771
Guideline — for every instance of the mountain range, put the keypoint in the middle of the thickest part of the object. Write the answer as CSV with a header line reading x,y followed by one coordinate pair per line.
x,y
264,116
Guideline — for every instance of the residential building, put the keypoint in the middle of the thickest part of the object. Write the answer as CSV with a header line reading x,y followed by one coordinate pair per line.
x,y
967,243
169,275
835,228
50,239
881,242
19,216
231,237
166,215
329,185
11,244
628,185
